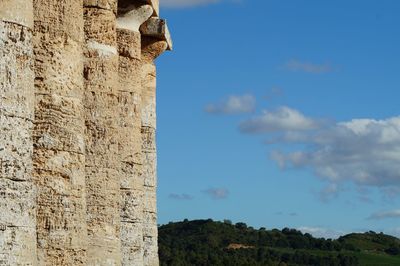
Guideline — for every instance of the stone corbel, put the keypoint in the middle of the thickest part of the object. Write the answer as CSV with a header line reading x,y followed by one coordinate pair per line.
x,y
131,17
152,48
143,19
157,28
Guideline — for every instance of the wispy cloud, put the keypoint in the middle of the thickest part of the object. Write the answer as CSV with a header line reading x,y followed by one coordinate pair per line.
x,y
282,119
233,104
300,66
322,232
385,215
217,193
365,152
180,196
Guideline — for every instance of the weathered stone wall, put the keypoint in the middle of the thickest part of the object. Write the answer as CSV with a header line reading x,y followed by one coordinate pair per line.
x,y
151,49
59,133
129,124
77,131
101,112
17,191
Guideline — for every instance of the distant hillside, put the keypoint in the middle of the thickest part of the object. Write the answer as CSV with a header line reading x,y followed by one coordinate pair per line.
x,y
209,243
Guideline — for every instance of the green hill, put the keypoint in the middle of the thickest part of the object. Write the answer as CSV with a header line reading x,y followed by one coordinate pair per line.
x,y
209,243
371,241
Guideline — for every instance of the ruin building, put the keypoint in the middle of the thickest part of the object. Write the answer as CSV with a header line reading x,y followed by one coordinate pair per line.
x,y
77,131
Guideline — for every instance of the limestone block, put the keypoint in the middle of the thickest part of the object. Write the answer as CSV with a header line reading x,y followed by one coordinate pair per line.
x,y
17,191
157,28
132,207
129,45
16,246
102,4
15,148
100,26
17,233
100,194
58,124
150,202
150,230
149,116
100,85
59,66
16,68
59,148
59,19
132,240
78,162
130,146
17,12
101,103
150,169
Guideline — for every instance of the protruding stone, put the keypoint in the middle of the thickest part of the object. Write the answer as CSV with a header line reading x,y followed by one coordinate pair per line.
x,y
157,28
132,17
152,48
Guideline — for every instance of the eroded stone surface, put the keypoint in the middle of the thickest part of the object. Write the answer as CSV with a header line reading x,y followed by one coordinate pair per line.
x,y
130,147
78,161
17,191
103,171
151,49
58,134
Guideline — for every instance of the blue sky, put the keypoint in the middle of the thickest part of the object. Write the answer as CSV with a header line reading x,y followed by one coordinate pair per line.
x,y
281,114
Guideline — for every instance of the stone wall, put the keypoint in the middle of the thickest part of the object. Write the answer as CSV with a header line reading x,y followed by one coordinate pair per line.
x,y
17,189
77,131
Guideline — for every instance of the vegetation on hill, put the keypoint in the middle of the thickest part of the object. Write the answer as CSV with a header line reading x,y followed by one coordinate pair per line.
x,y
209,243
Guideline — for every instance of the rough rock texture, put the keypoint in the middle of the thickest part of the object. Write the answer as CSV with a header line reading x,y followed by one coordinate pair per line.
x,y
59,133
77,132
17,191
151,49
130,149
101,113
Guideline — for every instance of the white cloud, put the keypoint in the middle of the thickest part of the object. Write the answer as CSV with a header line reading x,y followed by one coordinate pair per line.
x,y
320,232
234,104
364,151
299,66
217,193
282,119
385,215
186,3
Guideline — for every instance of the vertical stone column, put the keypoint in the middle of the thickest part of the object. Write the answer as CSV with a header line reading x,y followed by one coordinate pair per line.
x,y
59,150
17,190
101,111
129,128
151,49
